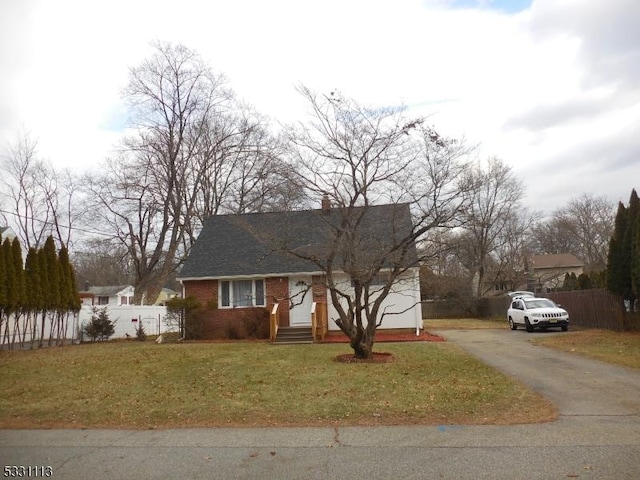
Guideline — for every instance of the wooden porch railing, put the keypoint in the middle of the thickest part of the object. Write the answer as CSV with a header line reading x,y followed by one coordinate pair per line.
x,y
319,320
274,322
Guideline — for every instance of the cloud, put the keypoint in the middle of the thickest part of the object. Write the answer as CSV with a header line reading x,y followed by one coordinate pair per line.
x,y
14,56
582,108
607,31
551,87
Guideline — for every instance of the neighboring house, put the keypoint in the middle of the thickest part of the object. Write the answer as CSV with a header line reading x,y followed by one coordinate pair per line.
x,y
112,296
6,232
547,272
165,294
499,280
242,265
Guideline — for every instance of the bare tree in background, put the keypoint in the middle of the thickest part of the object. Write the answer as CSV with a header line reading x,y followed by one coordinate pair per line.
x,y
442,274
511,255
552,236
491,216
41,200
196,152
357,157
583,227
97,261
238,169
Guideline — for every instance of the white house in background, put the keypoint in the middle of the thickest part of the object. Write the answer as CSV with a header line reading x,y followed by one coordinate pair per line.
x,y
165,295
109,295
548,271
6,232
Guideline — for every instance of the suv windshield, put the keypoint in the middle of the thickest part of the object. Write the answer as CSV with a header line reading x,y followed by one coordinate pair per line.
x,y
539,303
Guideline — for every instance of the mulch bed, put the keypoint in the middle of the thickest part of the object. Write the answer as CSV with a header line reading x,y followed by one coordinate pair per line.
x,y
381,337
339,337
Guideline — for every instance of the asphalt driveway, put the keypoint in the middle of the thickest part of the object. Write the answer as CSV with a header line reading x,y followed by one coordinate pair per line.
x,y
576,385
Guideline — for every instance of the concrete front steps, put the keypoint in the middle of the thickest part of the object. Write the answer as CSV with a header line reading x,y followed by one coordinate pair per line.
x,y
294,335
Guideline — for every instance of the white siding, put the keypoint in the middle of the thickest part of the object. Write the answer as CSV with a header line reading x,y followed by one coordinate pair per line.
x,y
404,297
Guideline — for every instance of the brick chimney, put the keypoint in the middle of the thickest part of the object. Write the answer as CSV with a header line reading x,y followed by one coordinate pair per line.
x,y
326,204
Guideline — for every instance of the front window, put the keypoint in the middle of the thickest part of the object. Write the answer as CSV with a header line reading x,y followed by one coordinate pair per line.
x,y
242,293
103,300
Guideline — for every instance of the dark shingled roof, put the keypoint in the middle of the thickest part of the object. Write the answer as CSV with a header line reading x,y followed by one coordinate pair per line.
x,y
259,243
556,260
106,290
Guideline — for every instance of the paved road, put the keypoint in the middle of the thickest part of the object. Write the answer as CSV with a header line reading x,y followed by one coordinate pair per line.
x,y
595,438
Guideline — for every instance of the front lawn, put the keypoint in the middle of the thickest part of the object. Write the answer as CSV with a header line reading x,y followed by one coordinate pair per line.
x,y
145,385
618,348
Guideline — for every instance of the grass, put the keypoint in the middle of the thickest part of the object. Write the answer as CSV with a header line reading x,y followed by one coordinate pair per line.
x,y
145,385
464,323
605,345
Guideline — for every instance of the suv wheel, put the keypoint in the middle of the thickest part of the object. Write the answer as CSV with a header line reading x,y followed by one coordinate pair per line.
x,y
565,328
528,325
512,325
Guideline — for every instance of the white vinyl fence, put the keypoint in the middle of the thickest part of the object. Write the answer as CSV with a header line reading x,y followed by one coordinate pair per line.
x,y
24,331
128,317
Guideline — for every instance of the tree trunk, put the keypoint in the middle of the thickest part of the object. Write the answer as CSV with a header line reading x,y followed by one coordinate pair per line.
x,y
362,344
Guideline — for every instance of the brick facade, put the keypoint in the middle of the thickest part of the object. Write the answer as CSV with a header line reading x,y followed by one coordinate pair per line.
x,y
277,290
232,322
319,289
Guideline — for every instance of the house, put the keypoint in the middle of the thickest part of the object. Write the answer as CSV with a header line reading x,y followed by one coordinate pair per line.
x,y
112,296
243,265
164,295
6,232
547,272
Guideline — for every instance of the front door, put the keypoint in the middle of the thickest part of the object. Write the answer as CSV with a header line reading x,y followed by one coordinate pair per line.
x,y
300,300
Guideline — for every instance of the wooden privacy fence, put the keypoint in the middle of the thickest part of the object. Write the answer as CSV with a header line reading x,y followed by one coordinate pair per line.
x,y
466,308
449,308
595,308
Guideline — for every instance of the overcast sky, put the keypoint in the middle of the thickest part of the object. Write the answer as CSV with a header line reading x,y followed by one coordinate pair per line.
x,y
550,86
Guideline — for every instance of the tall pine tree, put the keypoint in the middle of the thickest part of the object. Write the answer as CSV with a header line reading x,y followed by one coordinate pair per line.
x,y
41,258
69,293
53,286
634,248
19,281
11,300
3,284
3,290
630,242
35,298
616,264
623,264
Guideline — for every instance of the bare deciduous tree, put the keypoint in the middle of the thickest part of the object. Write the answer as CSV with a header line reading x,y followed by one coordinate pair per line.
x,y
583,227
41,199
357,158
97,261
196,152
491,216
